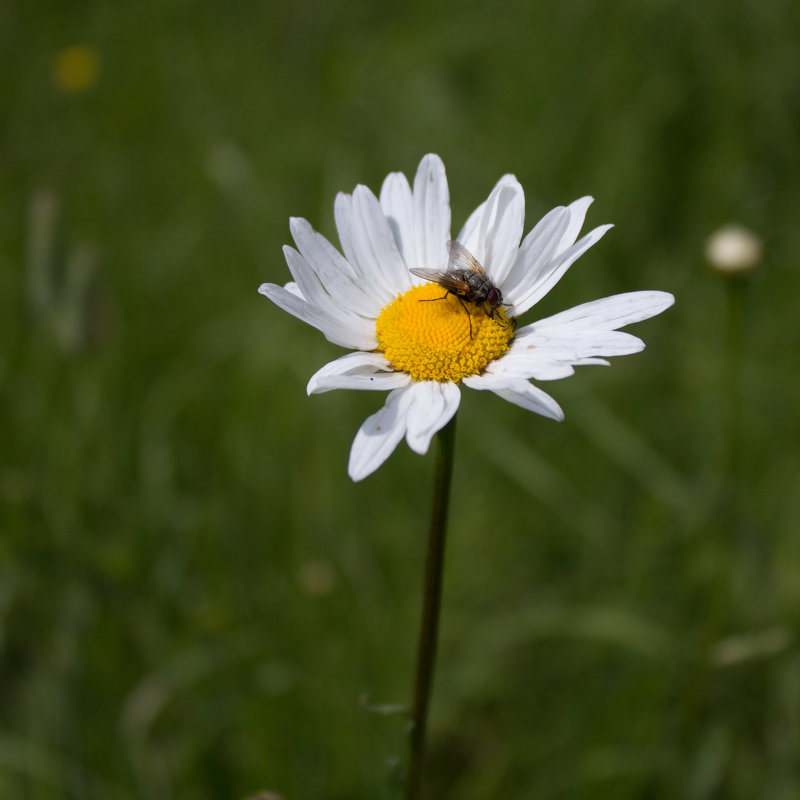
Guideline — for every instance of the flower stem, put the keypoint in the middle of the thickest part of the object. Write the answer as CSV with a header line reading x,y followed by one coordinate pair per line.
x,y
431,602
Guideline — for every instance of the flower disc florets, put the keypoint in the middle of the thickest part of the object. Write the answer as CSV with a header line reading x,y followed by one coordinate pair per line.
x,y
433,337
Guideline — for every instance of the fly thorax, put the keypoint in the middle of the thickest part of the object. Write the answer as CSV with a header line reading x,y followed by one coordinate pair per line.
x,y
479,287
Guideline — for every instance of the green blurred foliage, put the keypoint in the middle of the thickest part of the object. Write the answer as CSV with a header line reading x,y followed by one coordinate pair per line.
x,y
195,601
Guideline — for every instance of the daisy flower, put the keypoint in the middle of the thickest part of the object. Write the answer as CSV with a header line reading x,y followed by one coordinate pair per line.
x,y
422,352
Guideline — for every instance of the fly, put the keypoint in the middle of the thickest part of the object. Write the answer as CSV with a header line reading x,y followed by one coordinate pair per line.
x,y
465,278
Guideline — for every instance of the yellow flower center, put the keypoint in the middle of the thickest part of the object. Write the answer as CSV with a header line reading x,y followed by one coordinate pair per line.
x,y
76,68
427,334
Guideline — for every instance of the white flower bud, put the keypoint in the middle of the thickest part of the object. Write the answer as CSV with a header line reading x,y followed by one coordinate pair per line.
x,y
734,250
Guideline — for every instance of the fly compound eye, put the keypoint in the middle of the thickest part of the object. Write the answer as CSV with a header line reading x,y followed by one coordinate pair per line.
x,y
494,298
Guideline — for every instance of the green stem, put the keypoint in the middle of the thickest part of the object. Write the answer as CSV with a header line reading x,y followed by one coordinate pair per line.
x,y
736,311
431,602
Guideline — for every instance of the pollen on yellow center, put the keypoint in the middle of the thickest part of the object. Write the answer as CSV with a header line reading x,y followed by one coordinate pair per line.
x,y
427,334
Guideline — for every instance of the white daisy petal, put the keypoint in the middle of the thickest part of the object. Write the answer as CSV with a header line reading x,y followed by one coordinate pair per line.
x,y
493,232
547,363
431,214
397,203
339,297
345,226
294,289
519,392
577,215
552,355
591,362
574,344
379,242
357,370
536,252
358,249
550,275
379,435
608,313
530,366
433,405
378,382
504,238
333,271
359,335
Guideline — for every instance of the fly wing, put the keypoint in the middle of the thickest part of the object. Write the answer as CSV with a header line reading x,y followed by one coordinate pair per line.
x,y
461,258
448,280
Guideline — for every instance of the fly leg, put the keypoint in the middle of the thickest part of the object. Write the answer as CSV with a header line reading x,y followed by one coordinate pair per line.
x,y
434,299
491,312
469,316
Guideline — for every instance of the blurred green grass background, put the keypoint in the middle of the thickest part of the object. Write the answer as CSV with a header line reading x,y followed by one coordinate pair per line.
x,y
196,602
